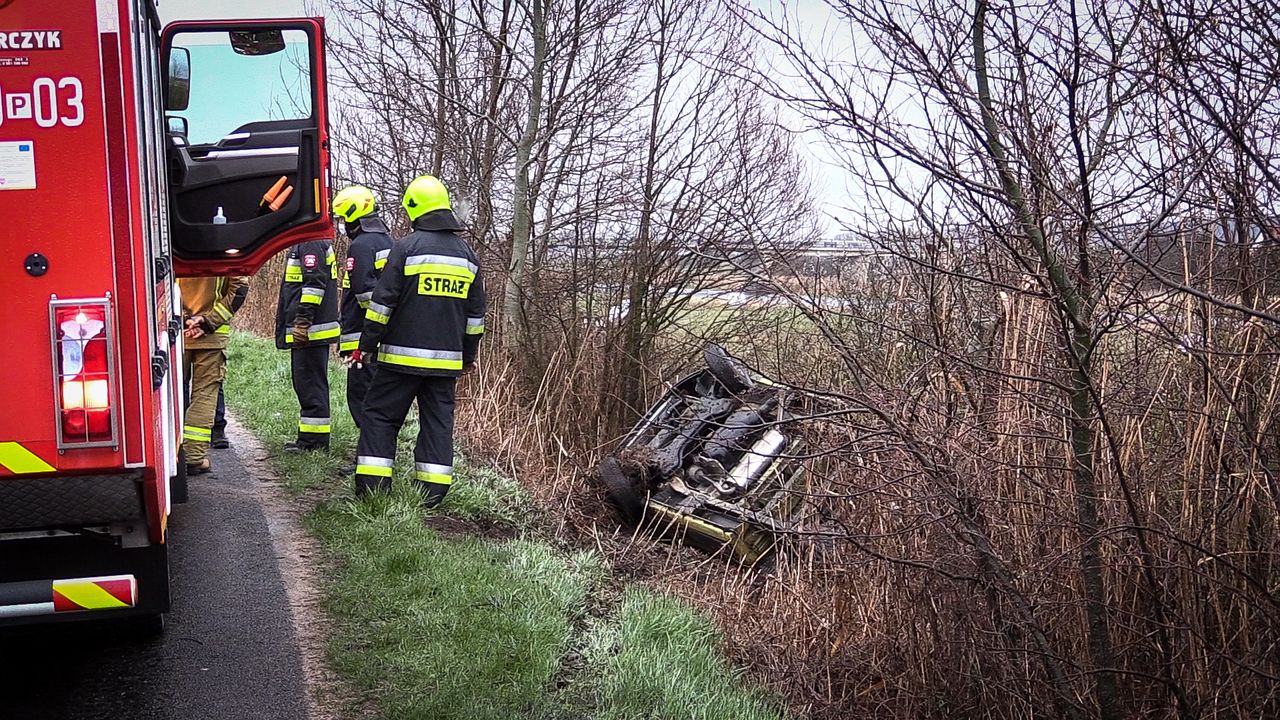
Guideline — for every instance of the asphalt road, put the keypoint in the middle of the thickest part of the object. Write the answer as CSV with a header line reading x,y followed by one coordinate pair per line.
x,y
229,651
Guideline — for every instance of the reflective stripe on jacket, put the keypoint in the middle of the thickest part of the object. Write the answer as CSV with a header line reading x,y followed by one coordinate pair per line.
x,y
366,257
426,315
309,291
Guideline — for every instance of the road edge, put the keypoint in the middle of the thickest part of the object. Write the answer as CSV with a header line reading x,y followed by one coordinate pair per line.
x,y
299,556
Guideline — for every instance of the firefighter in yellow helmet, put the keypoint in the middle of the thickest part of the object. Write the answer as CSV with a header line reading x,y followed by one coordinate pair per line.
x,y
207,306
423,325
366,256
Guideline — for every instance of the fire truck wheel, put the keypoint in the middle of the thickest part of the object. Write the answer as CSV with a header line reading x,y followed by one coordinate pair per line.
x,y
178,483
621,491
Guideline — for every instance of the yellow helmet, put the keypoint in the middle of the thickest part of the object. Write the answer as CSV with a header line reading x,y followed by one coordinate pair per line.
x,y
353,203
424,195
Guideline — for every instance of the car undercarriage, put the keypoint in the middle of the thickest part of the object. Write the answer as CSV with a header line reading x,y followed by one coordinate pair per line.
x,y
720,461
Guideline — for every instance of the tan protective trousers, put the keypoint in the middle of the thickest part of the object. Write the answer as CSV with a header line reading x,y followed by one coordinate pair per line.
x,y
205,370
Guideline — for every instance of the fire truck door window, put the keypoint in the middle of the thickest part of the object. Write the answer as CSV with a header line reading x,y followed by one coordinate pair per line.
x,y
243,79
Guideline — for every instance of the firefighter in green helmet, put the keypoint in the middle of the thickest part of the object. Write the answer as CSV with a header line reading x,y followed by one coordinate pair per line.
x,y
366,257
423,325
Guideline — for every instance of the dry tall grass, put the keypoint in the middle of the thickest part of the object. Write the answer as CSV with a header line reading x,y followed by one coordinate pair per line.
x,y
952,586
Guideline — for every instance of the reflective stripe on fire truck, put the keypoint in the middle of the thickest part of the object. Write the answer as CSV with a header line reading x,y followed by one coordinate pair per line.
x,y
100,593
46,597
21,461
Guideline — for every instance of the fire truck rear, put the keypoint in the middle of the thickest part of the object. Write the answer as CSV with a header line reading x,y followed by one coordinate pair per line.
x,y
128,156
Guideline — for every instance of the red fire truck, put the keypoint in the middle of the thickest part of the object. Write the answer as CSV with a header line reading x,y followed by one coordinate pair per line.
x,y
129,156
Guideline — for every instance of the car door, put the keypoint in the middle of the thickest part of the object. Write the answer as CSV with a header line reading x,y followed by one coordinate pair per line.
x,y
247,141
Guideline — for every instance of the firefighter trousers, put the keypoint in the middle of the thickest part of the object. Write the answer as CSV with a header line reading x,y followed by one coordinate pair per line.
x,y
206,368
385,407
310,369
358,381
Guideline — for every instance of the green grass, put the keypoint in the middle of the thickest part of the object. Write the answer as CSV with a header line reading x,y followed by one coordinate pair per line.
x,y
660,660
433,626
437,628
260,392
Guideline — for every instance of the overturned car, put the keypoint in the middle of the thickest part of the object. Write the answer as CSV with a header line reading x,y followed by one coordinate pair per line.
x,y
719,461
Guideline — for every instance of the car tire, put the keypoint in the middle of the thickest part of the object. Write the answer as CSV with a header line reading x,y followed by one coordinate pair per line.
x,y
621,491
731,373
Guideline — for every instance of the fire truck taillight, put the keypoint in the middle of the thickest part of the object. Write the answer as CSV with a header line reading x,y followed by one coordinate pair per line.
x,y
83,345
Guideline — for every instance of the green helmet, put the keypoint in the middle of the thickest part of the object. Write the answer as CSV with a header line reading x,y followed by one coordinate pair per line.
x,y
424,195
354,202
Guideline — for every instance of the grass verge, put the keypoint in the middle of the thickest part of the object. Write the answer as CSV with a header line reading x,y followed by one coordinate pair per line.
x,y
439,625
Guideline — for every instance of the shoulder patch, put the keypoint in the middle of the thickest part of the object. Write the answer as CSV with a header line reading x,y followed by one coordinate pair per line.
x,y
351,263
309,261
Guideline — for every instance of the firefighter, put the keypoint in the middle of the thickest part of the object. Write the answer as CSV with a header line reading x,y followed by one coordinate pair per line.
x,y
306,325
207,309
423,326
220,441
366,256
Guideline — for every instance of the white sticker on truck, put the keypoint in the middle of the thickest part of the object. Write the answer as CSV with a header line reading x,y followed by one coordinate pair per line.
x,y
18,165
108,17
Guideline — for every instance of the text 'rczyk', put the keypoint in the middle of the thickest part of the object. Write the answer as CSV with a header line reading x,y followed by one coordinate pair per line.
x,y
31,40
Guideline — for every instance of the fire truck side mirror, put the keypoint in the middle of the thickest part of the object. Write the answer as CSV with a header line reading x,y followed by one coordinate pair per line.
x,y
178,94
177,126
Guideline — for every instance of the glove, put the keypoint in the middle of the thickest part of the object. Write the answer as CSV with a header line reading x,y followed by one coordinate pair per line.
x,y
195,328
355,359
301,330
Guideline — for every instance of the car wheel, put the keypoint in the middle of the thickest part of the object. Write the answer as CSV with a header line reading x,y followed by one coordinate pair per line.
x,y
621,491
728,370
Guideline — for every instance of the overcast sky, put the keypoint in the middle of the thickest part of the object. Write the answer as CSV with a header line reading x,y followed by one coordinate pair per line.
x,y
171,10
810,16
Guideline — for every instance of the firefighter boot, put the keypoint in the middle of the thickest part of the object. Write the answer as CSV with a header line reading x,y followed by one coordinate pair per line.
x,y
220,441
432,493
297,447
366,486
200,468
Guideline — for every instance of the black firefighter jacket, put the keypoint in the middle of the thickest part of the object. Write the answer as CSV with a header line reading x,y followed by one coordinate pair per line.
x,y
309,292
366,257
426,316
